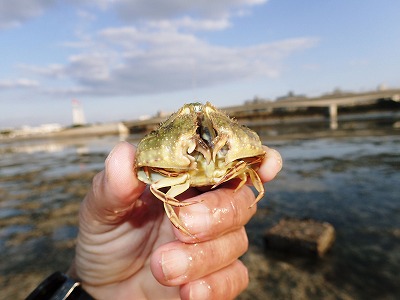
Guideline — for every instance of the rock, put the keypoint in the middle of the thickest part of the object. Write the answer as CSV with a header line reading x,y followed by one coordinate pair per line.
x,y
301,236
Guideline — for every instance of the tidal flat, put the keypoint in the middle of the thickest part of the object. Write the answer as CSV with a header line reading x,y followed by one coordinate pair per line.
x,y
350,182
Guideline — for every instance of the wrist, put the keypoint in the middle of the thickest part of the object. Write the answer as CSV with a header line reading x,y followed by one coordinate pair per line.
x,y
71,272
59,286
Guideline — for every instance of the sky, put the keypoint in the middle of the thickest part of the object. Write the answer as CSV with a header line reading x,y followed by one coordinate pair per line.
x,y
123,59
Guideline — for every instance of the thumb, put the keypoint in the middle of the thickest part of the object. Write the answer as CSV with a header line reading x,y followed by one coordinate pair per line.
x,y
114,190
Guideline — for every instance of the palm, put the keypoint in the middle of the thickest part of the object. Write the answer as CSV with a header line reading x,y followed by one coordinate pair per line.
x,y
132,241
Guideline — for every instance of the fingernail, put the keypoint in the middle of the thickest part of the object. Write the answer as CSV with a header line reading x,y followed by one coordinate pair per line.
x,y
196,218
278,158
175,263
110,155
201,290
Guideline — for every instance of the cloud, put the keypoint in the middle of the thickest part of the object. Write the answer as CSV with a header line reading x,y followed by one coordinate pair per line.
x,y
131,61
130,10
159,51
180,14
191,24
15,12
18,83
194,14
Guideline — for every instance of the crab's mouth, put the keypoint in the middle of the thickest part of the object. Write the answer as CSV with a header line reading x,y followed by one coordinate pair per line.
x,y
205,129
207,133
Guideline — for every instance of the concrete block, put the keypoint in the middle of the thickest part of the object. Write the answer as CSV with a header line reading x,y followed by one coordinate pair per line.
x,y
301,236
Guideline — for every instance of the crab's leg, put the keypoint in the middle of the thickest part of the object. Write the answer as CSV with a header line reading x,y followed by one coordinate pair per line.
x,y
241,170
176,190
178,185
201,146
234,172
257,183
173,217
218,142
170,200
243,180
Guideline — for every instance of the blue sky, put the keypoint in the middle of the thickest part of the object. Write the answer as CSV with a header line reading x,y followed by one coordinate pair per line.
x,y
127,58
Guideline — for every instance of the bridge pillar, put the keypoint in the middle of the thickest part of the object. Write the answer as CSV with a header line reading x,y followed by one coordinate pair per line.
x,y
333,116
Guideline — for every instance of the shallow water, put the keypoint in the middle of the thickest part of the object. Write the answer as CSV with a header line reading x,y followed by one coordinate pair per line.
x,y
351,182
354,184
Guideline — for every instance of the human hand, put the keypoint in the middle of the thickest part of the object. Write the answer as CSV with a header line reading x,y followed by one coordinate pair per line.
x,y
128,249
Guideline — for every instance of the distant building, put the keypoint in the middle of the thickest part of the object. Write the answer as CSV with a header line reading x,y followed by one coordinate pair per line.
x,y
43,129
257,100
291,96
78,118
382,87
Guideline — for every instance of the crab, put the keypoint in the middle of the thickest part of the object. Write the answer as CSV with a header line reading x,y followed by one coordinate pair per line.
x,y
197,146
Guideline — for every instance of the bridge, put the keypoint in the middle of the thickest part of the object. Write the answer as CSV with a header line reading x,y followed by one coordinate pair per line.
x,y
253,112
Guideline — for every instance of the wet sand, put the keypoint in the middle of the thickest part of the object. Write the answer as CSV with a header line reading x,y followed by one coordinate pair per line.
x,y
351,183
34,252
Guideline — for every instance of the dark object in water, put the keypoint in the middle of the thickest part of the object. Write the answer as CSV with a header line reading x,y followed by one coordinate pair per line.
x,y
301,236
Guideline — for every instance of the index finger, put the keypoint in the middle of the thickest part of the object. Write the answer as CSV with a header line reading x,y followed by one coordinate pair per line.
x,y
225,209
271,165
219,211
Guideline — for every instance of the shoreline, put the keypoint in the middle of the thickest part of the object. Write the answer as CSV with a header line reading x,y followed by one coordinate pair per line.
x,y
61,141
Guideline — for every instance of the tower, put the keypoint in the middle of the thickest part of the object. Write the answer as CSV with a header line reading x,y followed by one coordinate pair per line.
x,y
78,118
